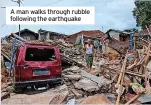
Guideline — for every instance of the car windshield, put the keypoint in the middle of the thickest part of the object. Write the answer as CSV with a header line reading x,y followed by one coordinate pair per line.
x,y
40,54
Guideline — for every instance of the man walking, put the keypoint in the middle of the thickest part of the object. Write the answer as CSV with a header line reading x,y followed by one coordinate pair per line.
x,y
89,53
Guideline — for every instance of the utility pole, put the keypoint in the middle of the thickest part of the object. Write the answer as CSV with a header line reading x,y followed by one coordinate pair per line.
x,y
19,24
18,1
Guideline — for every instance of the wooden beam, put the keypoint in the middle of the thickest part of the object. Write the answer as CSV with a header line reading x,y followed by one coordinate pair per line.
x,y
133,65
122,70
121,79
78,95
148,88
128,72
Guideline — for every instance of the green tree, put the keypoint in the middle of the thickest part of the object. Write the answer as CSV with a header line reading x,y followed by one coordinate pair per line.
x,y
142,13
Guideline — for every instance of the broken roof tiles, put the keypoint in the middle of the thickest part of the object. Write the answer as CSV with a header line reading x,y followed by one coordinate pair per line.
x,y
91,33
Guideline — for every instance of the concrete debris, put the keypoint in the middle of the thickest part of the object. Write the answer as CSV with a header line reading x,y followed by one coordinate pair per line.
x,y
51,96
71,102
59,98
145,98
96,99
111,97
5,95
72,77
99,80
76,93
87,85
72,69
3,86
102,62
4,72
72,73
84,80
110,74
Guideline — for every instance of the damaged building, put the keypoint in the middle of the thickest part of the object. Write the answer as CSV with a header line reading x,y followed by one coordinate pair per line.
x,y
91,34
50,35
145,34
25,34
117,40
142,37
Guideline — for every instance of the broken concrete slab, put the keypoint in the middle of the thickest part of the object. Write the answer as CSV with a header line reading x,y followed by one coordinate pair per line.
x,y
111,97
73,69
96,99
72,73
87,85
71,102
87,82
59,98
145,98
99,80
72,77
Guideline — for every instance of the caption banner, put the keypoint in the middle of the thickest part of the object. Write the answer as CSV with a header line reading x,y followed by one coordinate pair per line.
x,y
50,15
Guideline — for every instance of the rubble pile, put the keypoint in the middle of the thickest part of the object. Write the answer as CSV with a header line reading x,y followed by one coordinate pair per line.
x,y
3,72
69,52
4,75
77,78
121,47
101,99
56,95
6,50
132,68
111,74
133,72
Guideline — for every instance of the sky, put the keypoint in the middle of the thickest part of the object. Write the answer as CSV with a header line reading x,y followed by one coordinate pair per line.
x,y
109,14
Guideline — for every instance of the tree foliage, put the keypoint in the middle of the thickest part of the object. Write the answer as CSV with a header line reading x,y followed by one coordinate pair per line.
x,y
142,13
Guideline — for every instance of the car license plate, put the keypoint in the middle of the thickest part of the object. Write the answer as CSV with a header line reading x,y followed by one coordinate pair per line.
x,y
39,72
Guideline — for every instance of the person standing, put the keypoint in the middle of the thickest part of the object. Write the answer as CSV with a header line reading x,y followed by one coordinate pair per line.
x,y
89,53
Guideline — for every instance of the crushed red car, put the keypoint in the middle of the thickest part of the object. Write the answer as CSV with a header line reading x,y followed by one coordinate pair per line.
x,y
37,64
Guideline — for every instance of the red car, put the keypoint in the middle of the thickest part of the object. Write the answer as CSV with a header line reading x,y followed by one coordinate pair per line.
x,y
37,64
